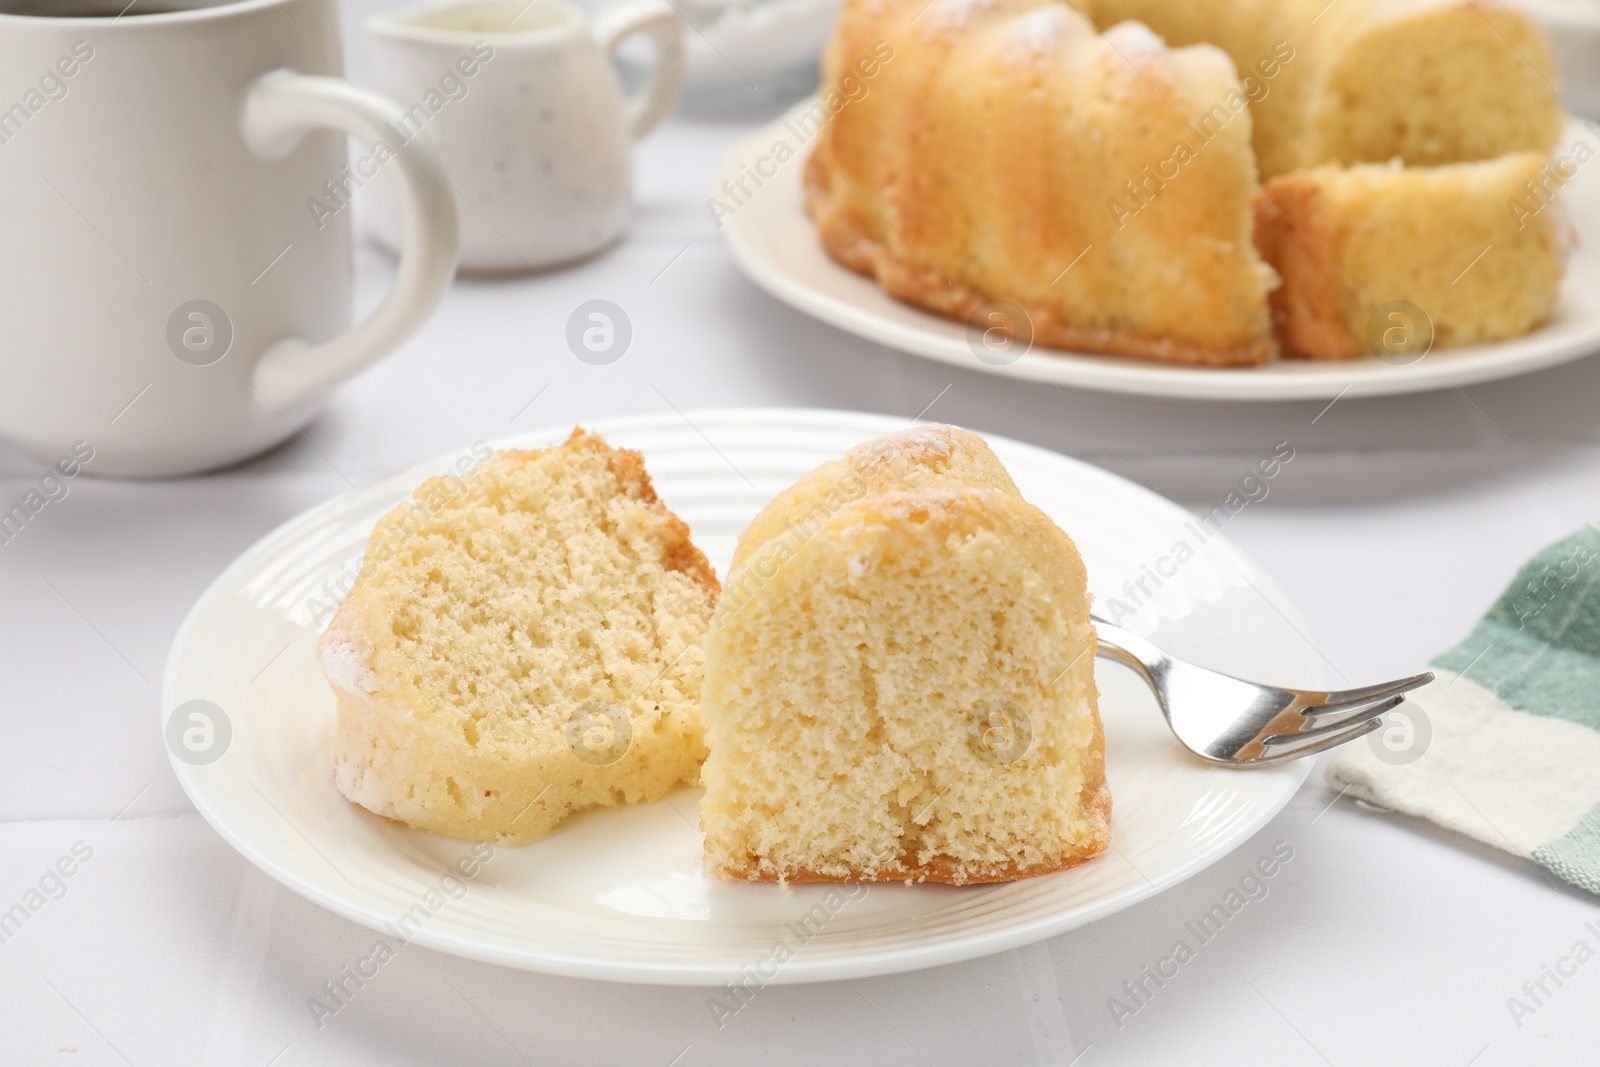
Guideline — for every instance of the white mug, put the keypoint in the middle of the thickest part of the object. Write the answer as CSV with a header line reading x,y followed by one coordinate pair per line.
x,y
535,130
168,292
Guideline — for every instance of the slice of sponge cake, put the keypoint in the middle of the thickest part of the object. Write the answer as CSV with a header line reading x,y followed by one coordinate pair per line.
x,y
905,690
530,646
1380,259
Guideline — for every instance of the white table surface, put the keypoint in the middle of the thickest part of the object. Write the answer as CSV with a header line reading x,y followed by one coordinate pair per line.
x,y
1383,941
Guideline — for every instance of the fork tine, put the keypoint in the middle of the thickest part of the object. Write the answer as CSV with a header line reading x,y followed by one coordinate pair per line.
x,y
1371,711
1350,698
1280,755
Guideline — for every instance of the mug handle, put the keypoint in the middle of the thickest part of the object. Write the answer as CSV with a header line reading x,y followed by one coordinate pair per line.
x,y
659,21
281,107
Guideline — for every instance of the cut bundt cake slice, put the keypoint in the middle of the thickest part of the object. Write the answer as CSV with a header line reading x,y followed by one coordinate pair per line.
x,y
907,693
1426,81
521,644
1380,259
1005,151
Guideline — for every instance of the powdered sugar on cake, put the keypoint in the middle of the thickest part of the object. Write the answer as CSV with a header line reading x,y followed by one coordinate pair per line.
x,y
346,663
909,446
1044,31
944,16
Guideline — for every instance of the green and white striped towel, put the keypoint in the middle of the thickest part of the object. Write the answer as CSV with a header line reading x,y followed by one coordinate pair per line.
x,y
1505,745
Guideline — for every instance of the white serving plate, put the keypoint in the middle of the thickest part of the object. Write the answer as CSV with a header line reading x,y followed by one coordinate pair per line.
x,y
620,894
773,240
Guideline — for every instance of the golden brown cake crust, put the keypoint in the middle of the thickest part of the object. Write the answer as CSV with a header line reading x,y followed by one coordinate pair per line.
x,y
847,243
1296,234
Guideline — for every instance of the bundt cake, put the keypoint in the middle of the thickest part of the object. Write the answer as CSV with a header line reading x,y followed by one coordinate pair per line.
x,y
1008,151
1380,259
521,644
905,690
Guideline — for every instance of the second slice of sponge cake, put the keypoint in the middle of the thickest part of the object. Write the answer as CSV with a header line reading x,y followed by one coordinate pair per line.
x,y
899,682
1375,258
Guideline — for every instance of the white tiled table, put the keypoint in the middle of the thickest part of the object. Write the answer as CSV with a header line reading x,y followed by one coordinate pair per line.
x,y
1383,941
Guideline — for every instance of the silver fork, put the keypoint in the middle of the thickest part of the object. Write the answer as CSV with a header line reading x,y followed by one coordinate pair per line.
x,y
1234,723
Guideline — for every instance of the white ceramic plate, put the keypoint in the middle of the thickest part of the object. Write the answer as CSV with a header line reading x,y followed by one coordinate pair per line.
x,y
772,238
619,894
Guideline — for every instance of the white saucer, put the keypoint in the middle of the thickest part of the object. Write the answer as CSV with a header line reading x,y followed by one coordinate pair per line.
x,y
772,238
619,894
